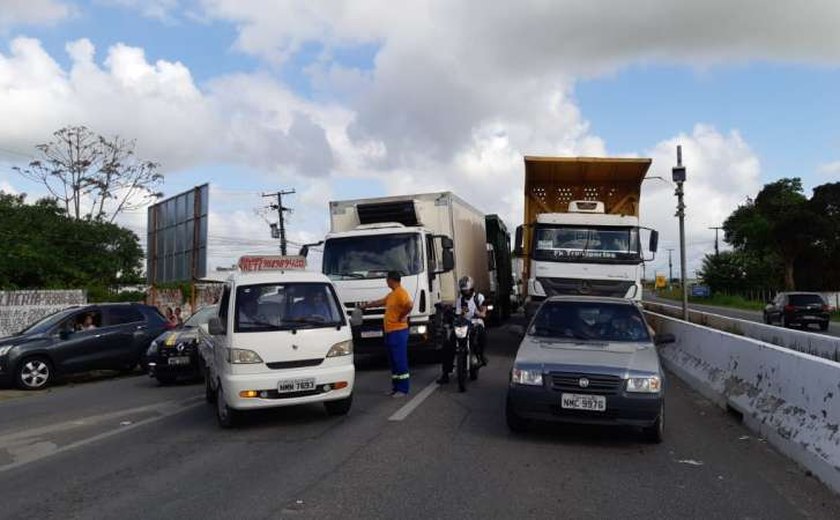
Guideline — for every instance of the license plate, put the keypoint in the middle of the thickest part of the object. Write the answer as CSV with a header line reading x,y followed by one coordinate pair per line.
x,y
296,385
593,403
179,360
372,334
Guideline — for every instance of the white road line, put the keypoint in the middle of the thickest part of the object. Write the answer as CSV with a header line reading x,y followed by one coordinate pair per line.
x,y
90,440
410,406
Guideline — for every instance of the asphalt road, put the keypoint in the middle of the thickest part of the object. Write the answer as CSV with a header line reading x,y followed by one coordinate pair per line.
x,y
833,327
126,448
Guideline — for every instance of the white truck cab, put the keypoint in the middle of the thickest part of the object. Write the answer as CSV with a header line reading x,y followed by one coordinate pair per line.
x,y
281,339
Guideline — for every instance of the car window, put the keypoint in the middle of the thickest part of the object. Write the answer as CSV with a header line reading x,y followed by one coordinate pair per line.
x,y
806,299
86,320
589,321
202,316
224,304
123,315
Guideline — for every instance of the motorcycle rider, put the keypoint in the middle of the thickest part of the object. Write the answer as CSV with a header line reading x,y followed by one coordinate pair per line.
x,y
471,304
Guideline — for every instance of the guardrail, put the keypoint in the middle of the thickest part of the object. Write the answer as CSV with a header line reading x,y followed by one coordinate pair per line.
x,y
790,398
826,347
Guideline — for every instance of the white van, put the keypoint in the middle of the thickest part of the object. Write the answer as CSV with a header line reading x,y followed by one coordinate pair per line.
x,y
280,339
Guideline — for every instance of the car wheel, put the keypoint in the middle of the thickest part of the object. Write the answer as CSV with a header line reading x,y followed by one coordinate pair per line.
x,y
34,373
656,432
165,380
515,423
824,326
339,407
224,414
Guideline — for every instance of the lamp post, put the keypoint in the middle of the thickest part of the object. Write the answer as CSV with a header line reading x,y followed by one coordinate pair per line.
x,y
678,174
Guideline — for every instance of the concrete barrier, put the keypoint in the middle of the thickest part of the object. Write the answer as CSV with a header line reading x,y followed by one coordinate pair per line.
x,y
790,398
820,345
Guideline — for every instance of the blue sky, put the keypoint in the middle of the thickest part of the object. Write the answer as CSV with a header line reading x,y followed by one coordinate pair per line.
x,y
369,98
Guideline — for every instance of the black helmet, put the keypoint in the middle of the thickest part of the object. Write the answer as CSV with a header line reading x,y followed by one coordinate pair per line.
x,y
465,284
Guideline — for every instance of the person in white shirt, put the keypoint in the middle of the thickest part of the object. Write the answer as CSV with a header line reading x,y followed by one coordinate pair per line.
x,y
472,305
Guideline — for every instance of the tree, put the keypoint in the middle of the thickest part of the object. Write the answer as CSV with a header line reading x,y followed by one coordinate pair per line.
x,y
779,221
43,248
85,171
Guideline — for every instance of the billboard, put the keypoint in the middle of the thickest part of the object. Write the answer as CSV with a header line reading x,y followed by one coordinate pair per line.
x,y
176,245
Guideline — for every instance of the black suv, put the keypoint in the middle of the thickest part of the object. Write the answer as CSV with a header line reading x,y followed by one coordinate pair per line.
x,y
78,339
797,308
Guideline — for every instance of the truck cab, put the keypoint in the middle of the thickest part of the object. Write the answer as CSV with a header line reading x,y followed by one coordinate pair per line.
x,y
280,338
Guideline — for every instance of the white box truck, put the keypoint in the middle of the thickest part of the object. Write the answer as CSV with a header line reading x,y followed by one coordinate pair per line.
x,y
432,239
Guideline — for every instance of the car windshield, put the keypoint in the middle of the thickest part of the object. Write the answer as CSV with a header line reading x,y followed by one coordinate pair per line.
x,y
202,316
589,321
372,256
286,306
590,244
805,299
47,323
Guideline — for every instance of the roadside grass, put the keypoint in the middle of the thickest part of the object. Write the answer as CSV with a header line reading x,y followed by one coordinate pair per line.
x,y
724,300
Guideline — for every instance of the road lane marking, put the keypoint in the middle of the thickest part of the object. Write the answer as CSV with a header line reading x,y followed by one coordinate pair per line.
x,y
410,406
41,450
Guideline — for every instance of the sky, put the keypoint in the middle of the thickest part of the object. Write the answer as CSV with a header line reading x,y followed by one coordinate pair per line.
x,y
369,98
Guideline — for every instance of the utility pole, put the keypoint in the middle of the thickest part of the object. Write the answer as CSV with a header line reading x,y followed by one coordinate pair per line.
x,y
670,268
678,174
716,228
281,214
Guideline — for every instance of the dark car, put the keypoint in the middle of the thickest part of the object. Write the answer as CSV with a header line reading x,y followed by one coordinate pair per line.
x,y
798,308
174,354
588,360
79,339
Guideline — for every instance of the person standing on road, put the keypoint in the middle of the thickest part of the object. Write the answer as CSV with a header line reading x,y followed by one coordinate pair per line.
x,y
398,306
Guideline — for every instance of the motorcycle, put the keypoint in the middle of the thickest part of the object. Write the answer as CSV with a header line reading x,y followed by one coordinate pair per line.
x,y
467,363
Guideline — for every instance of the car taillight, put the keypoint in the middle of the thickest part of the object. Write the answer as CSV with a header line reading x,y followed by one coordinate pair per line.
x,y
789,308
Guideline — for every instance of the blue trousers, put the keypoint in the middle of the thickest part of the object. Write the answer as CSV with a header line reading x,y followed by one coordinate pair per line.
x,y
397,344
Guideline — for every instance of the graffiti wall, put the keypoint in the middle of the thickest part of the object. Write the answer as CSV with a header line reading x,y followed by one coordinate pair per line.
x,y
19,309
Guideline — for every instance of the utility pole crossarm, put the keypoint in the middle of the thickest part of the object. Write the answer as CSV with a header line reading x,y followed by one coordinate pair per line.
x,y
281,211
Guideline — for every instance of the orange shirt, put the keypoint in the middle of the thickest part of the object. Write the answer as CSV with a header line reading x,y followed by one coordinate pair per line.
x,y
397,303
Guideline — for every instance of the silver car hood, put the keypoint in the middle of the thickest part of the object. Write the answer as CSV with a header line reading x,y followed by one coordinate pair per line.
x,y
614,358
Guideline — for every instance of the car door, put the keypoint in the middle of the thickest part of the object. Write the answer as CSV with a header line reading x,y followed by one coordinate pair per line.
x,y
125,328
77,350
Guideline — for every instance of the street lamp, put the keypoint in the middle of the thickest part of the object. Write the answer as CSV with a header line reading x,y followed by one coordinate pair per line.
x,y
678,174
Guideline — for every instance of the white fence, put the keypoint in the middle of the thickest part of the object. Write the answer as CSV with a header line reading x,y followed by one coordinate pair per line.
x,y
18,309
790,398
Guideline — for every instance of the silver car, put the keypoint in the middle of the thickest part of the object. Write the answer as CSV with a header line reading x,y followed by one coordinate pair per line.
x,y
589,360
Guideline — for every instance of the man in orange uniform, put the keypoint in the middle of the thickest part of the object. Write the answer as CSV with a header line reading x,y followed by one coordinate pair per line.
x,y
398,306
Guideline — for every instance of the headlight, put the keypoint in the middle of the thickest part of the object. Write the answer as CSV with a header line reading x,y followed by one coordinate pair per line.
x,y
489,308
5,350
523,376
418,329
153,349
644,385
535,288
345,348
241,356
461,332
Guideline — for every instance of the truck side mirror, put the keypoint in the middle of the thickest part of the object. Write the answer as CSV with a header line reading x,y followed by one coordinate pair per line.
x,y
517,246
215,326
654,241
448,260
446,242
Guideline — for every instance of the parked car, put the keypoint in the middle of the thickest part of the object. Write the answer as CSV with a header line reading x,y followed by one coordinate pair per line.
x,y
588,360
79,339
798,308
174,354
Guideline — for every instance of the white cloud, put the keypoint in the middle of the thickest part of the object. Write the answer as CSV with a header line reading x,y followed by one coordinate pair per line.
x,y
33,12
157,9
722,171
830,168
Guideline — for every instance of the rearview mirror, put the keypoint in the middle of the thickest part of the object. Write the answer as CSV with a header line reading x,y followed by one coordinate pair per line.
x,y
654,241
216,327
446,242
663,339
517,245
448,260
356,317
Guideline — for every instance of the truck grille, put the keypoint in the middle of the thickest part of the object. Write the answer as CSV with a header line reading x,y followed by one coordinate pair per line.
x,y
300,363
560,286
598,384
376,311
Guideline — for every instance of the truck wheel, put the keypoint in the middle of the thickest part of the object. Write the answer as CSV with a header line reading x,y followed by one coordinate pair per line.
x,y
34,373
339,407
225,415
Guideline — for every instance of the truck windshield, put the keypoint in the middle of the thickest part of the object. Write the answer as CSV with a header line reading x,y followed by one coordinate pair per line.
x,y
587,244
286,306
372,256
